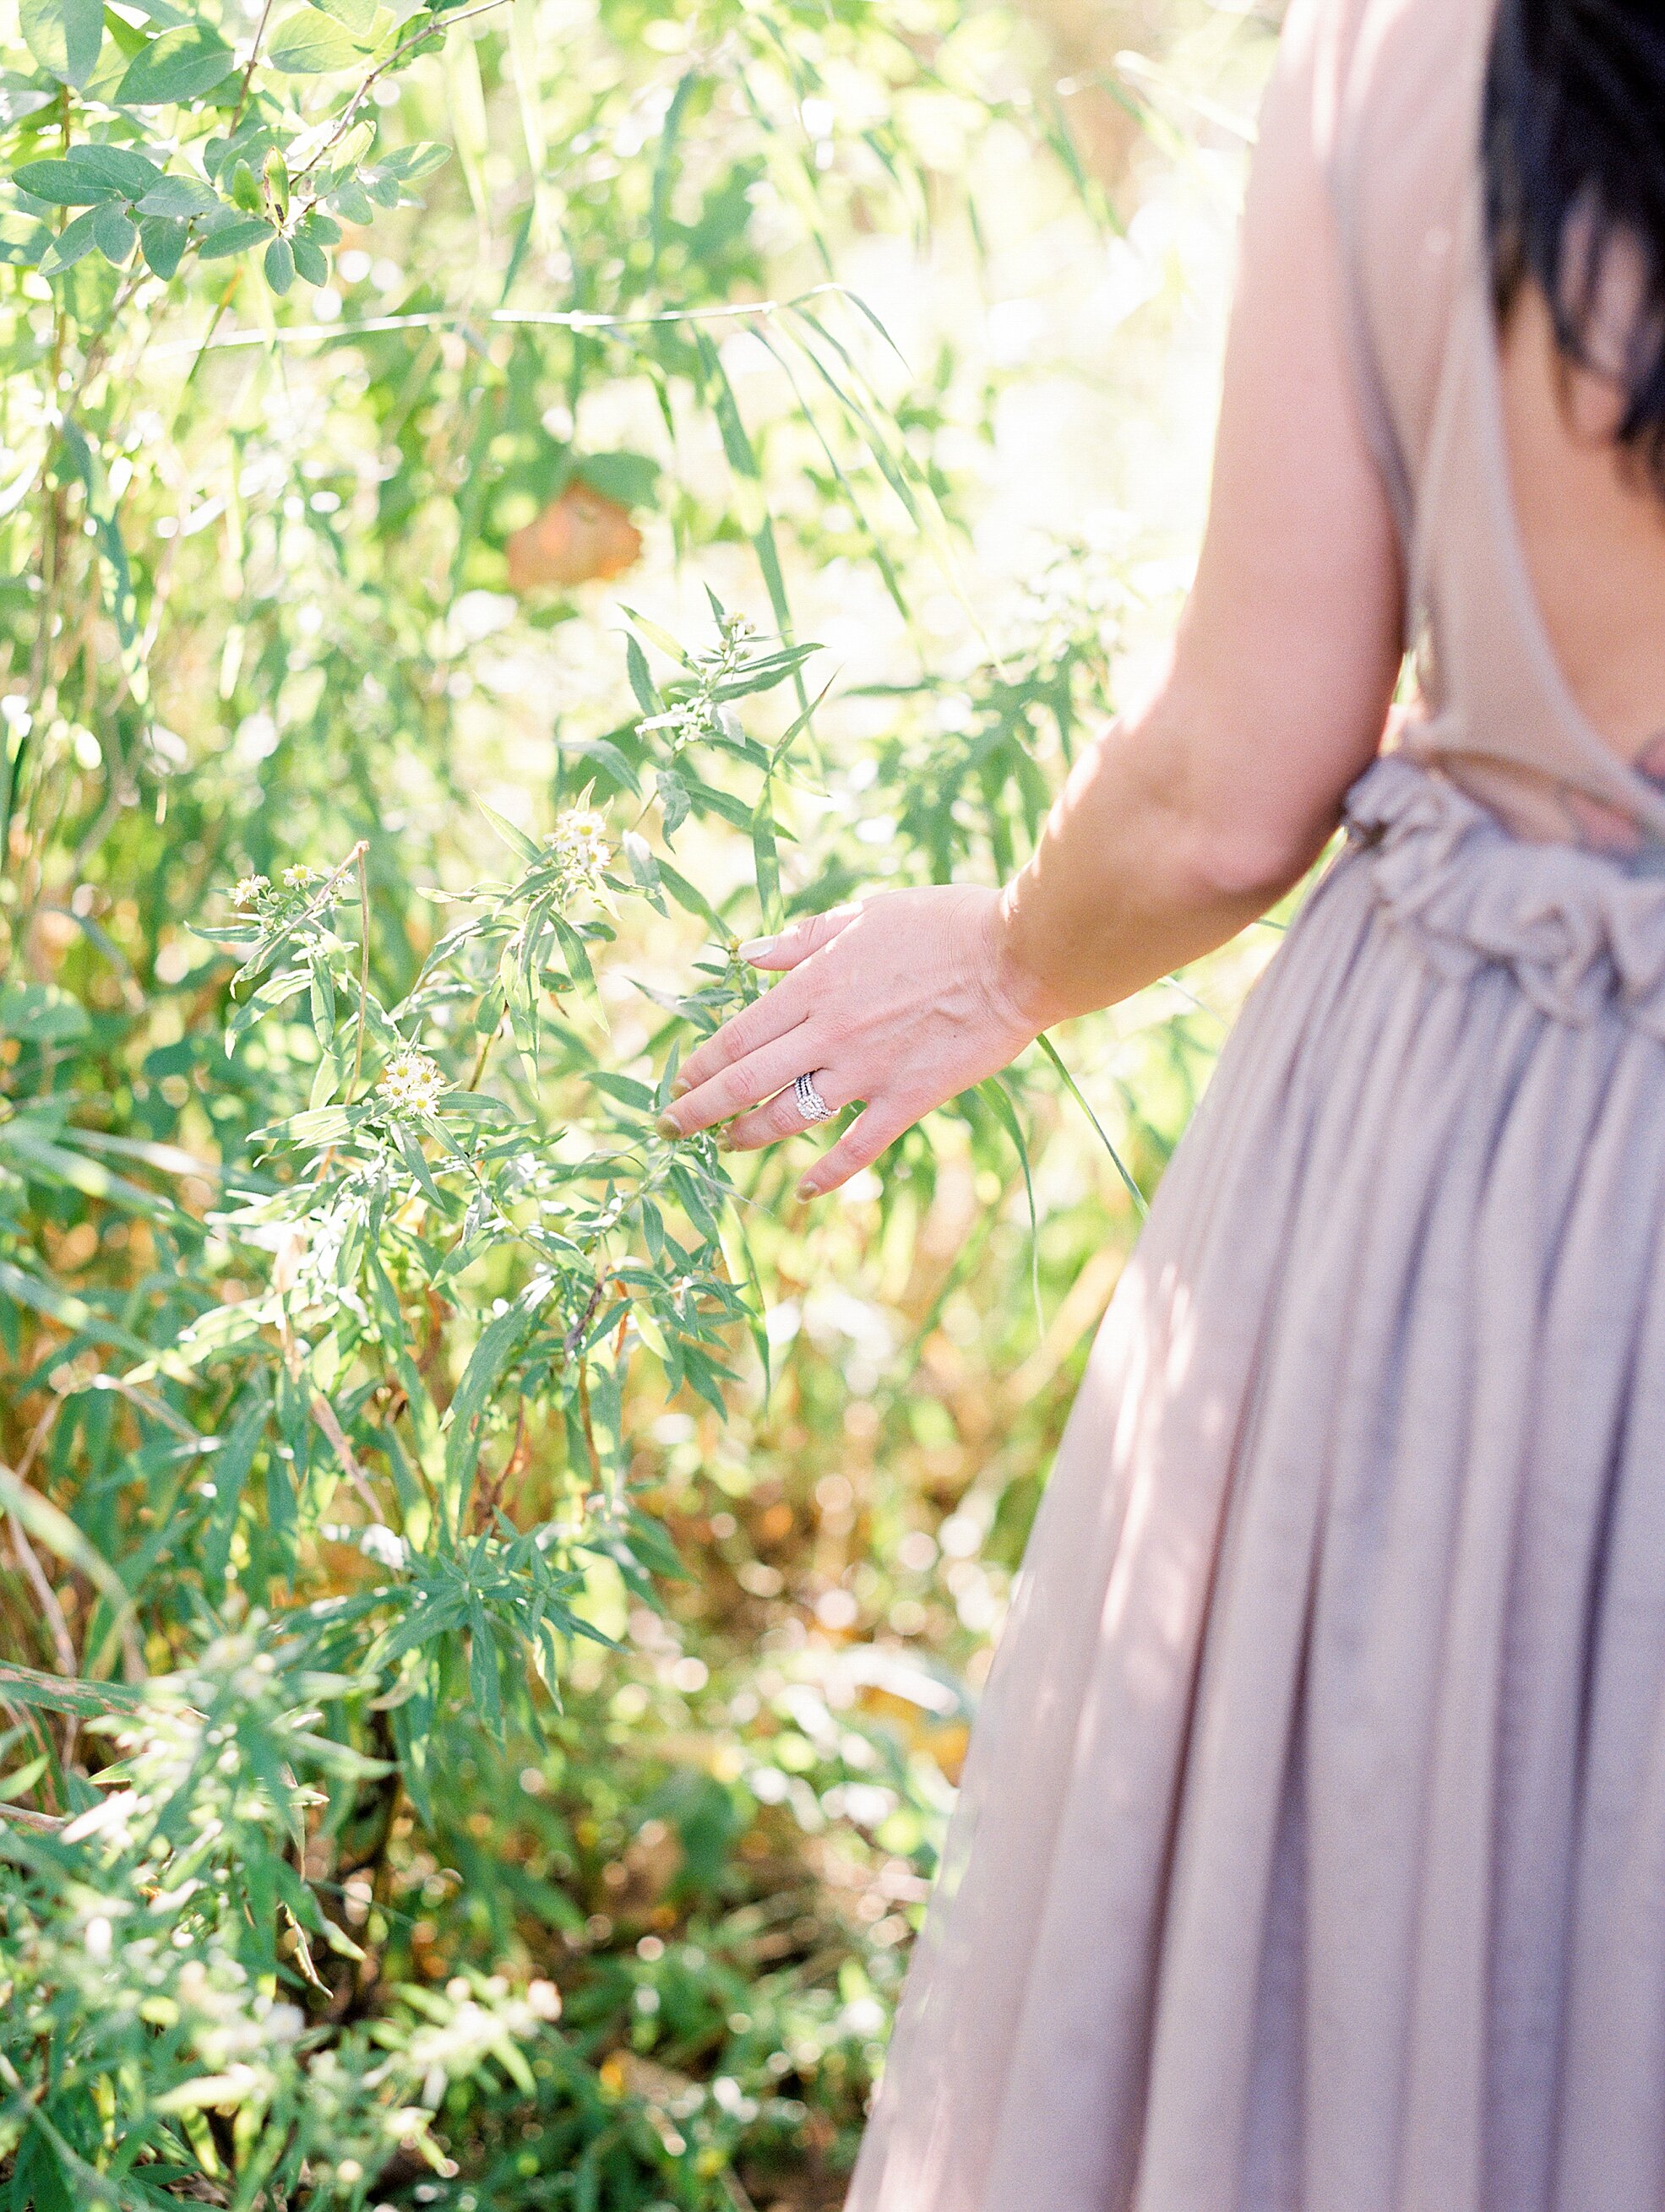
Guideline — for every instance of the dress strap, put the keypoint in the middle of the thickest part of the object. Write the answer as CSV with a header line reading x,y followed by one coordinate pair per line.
x,y
1350,86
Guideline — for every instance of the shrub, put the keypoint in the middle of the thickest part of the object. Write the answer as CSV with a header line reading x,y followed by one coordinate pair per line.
x,y
344,1275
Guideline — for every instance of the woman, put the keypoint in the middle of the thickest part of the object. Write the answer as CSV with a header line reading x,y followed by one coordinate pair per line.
x,y
1311,1851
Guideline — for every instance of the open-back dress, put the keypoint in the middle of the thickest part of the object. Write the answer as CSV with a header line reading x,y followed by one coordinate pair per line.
x,y
1310,1853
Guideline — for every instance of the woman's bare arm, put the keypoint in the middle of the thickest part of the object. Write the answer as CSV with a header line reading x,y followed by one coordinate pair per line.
x,y
1195,813
1190,815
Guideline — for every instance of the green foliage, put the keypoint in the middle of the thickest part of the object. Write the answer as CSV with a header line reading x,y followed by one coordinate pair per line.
x,y
387,1402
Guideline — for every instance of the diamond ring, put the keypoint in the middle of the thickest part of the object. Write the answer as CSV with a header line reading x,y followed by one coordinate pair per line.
x,y
811,1104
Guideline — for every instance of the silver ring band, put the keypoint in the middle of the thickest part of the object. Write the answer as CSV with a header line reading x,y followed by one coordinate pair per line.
x,y
811,1104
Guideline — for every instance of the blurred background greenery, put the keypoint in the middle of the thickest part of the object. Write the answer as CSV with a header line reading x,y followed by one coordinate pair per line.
x,y
490,1611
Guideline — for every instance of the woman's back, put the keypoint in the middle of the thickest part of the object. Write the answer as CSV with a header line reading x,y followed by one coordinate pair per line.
x,y
1577,174
1593,531
1534,545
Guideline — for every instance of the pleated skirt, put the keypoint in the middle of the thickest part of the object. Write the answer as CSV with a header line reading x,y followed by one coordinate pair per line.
x,y
1311,1852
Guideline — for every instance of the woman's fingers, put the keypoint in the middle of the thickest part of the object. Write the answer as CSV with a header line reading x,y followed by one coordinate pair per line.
x,y
783,1116
768,1017
741,1084
796,943
873,1131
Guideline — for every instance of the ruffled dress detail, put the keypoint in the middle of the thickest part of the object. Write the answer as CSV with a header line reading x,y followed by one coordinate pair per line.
x,y
1580,933
1310,1853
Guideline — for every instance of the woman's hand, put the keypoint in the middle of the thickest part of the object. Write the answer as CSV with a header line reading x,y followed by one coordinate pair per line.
x,y
901,1001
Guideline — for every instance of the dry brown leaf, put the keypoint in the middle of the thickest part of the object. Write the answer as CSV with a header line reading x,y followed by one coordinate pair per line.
x,y
580,538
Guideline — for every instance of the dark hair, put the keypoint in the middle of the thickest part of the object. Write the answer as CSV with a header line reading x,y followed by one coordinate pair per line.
x,y
1575,159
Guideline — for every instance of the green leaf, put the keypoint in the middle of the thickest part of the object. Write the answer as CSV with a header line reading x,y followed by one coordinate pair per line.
x,y
643,866
326,1125
358,15
672,794
517,840
25,1685
67,183
764,672
115,232
125,171
244,186
655,637
411,164
182,196
1075,1092
577,960
279,266
766,863
276,176
71,244
625,1088
20,99
64,36
641,682
629,479
179,65
692,900
233,238
311,263
58,1165
323,229
311,44
162,241
711,800
353,201
498,1342
606,755
54,1527
41,1013
67,1310
664,162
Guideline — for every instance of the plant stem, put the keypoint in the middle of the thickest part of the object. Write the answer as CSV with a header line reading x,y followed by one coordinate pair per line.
x,y
408,46
248,74
363,971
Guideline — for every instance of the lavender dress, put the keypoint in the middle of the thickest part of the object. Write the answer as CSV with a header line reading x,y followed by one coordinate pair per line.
x,y
1311,1849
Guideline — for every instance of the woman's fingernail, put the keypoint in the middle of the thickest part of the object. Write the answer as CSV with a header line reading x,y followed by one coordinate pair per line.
x,y
806,1189
757,947
727,1143
681,1087
666,1126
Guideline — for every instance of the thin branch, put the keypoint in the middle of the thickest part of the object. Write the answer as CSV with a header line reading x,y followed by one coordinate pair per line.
x,y
253,61
563,319
409,47
46,1823
325,1414
62,1643
28,1559
363,972
575,1335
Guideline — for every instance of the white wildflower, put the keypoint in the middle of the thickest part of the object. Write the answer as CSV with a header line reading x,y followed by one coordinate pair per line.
x,y
411,1082
686,724
580,841
301,878
250,891
382,1545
